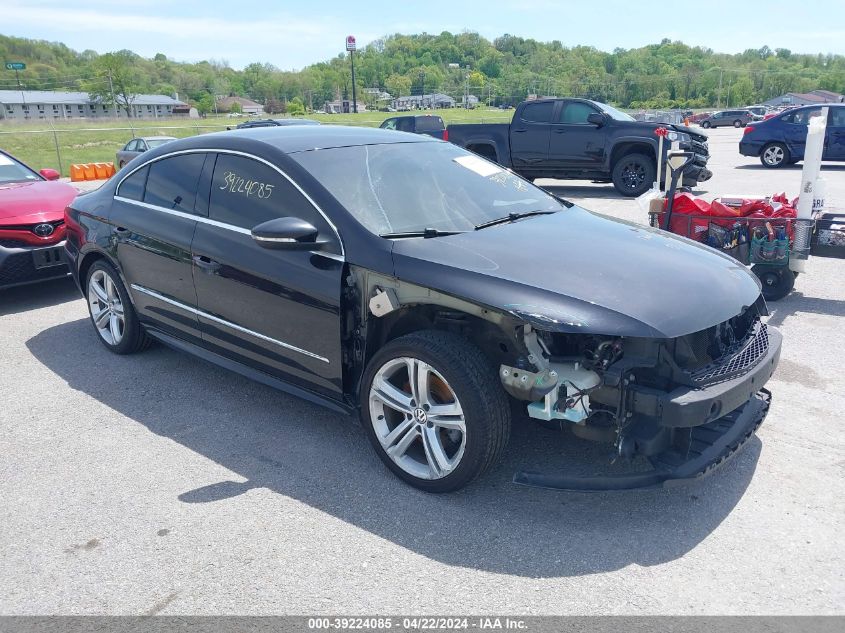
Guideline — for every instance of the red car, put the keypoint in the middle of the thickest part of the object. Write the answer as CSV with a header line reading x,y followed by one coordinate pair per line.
x,y
32,226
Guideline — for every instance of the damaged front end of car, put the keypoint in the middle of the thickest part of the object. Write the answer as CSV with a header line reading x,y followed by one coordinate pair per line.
x,y
686,404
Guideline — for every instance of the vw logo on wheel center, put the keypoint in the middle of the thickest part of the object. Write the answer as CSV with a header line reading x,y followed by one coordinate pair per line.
x,y
420,416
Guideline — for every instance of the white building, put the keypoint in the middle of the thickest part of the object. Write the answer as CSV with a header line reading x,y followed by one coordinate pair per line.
x,y
46,104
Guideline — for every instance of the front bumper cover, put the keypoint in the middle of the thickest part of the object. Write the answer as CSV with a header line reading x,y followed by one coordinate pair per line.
x,y
708,447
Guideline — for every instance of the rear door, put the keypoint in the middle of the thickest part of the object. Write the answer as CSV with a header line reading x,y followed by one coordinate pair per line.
x,y
274,310
153,218
530,133
575,143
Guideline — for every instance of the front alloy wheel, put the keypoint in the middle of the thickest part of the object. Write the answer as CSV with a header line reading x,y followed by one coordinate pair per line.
x,y
417,418
434,409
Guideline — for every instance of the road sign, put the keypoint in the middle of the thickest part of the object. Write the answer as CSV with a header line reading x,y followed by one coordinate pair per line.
x,y
350,42
22,66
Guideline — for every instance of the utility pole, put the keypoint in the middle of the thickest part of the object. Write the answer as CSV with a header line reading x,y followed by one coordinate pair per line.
x,y
719,98
111,90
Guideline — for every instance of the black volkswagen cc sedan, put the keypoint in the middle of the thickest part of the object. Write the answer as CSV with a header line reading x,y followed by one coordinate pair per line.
x,y
433,293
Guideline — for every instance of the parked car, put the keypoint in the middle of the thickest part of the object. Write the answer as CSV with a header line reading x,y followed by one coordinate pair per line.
x,y
319,260
429,124
32,226
138,146
274,123
736,118
581,139
758,111
780,140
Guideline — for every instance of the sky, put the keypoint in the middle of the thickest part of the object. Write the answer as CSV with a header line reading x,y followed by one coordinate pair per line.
x,y
291,35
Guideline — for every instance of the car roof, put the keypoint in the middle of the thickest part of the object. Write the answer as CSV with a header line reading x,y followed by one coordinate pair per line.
x,y
157,138
299,138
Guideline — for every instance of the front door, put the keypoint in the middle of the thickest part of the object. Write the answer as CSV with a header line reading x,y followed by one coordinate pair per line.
x,y
530,136
834,146
153,219
575,143
275,310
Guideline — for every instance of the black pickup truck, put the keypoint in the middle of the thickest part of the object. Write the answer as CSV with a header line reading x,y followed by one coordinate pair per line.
x,y
581,139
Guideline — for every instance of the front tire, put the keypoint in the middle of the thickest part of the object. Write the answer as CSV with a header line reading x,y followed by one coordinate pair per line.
x,y
434,410
111,311
705,124
775,155
633,174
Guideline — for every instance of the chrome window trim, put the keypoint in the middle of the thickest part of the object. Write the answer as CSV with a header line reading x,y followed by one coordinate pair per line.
x,y
185,215
234,326
209,150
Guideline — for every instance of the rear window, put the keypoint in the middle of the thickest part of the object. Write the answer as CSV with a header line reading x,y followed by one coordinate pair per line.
x,y
172,182
429,124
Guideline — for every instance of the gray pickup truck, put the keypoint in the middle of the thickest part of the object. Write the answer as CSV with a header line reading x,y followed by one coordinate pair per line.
x,y
582,139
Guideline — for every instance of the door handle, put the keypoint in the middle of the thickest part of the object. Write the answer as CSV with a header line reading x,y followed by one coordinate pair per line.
x,y
560,131
120,230
206,263
518,131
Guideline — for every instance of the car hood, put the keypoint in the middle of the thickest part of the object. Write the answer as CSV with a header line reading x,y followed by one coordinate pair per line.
x,y
36,201
575,271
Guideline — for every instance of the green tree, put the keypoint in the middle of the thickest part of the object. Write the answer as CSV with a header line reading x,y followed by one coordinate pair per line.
x,y
117,80
205,104
296,107
236,108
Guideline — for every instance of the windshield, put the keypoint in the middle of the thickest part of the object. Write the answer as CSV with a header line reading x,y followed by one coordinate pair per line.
x,y
614,113
155,142
13,171
409,187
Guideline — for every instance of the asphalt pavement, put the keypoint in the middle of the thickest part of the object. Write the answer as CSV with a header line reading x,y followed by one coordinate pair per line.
x,y
157,483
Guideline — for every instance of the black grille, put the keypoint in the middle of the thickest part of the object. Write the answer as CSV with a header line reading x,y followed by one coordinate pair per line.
x,y
738,358
13,243
20,268
699,148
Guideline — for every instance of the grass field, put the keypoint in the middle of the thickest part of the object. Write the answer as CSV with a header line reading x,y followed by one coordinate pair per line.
x,y
97,140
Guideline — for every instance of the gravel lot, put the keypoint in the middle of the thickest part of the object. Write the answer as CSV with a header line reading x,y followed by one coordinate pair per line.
x,y
160,484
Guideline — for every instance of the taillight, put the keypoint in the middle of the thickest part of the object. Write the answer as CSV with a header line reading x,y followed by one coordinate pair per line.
x,y
748,128
445,135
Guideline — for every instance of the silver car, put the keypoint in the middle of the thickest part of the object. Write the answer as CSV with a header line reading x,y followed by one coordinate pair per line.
x,y
139,146
736,118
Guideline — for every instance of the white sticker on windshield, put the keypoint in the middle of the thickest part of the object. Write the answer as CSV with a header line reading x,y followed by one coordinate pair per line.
x,y
5,160
478,165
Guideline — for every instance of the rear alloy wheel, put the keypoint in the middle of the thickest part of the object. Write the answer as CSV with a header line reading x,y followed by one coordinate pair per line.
x,y
774,155
111,311
738,123
434,410
777,281
633,174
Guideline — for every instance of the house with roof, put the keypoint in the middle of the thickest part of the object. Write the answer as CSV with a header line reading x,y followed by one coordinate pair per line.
x,y
47,104
248,106
814,97
426,101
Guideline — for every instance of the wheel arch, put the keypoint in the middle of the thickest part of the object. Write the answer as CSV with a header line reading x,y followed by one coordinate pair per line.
x,y
625,147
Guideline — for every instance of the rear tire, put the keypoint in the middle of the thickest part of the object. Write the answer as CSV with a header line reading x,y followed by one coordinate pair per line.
x,y
633,174
739,123
111,311
775,155
777,281
434,409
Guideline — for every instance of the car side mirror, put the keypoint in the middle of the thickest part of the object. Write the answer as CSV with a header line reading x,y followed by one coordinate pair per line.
x,y
596,119
50,174
291,234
